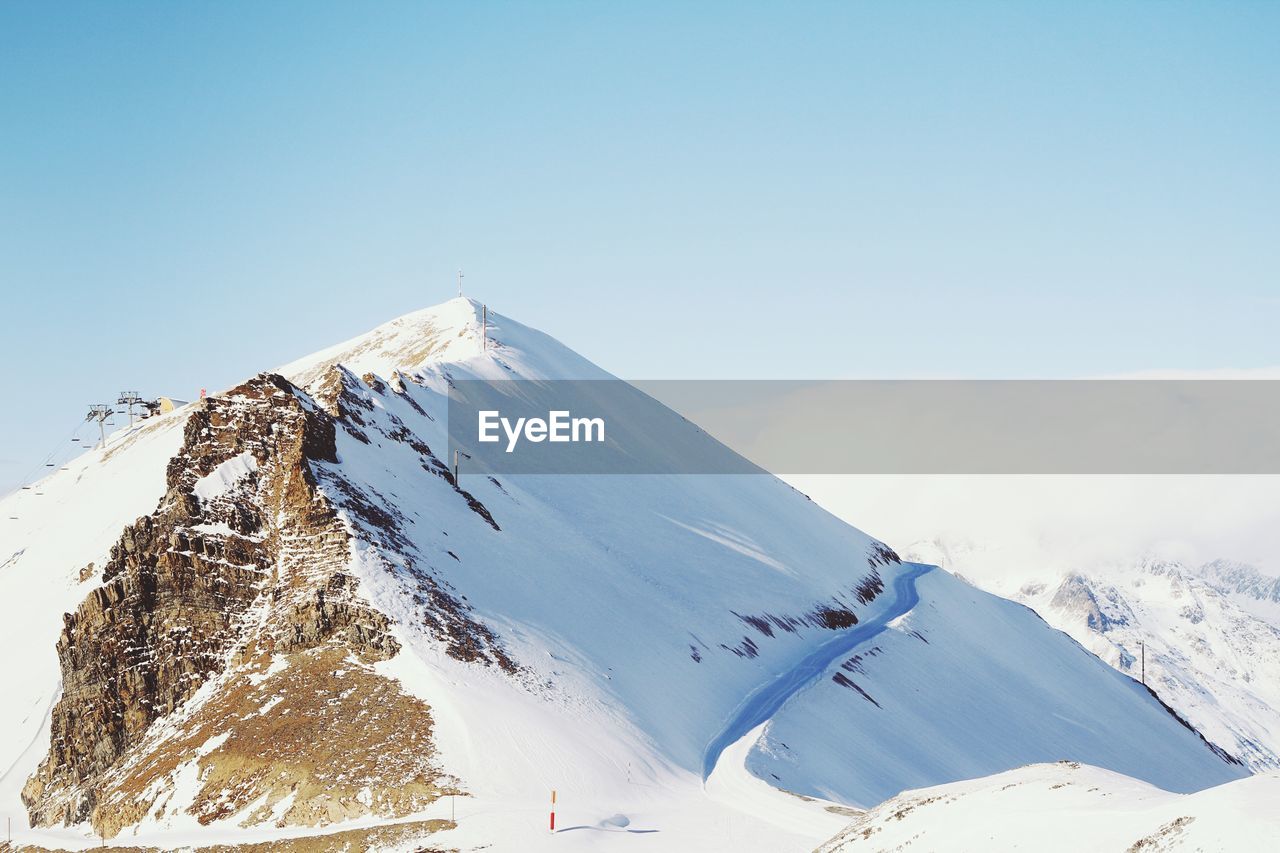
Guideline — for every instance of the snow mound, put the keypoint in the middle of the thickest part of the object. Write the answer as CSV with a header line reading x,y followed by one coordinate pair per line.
x,y
1068,807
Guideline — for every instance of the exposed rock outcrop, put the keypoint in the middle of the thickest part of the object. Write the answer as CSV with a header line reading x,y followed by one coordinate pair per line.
x,y
244,555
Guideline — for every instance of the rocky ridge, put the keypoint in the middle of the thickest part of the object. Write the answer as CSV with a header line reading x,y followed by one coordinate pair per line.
x,y
242,570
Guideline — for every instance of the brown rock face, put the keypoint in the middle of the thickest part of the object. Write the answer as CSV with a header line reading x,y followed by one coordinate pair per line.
x,y
243,557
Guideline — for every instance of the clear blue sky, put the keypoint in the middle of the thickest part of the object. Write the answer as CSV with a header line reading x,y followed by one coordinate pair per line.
x,y
192,192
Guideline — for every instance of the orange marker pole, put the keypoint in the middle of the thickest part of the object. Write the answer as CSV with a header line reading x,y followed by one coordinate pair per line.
x,y
553,809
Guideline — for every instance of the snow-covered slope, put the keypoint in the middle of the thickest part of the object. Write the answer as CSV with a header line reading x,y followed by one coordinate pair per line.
x,y
967,684
1214,659
626,641
1068,807
54,538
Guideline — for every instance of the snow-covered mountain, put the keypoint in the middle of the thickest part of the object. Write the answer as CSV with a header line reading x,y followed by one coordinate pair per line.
x,y
285,616
1256,593
1208,650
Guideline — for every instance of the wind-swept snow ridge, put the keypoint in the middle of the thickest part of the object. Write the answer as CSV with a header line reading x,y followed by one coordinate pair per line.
x,y
765,702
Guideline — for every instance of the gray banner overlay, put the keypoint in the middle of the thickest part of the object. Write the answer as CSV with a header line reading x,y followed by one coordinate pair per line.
x,y
866,427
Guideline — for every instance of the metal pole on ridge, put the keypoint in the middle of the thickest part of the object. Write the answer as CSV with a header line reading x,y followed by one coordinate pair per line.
x,y
100,413
130,399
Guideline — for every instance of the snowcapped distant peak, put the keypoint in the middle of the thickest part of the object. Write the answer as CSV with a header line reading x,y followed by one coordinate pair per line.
x,y
1101,607
1173,569
1234,577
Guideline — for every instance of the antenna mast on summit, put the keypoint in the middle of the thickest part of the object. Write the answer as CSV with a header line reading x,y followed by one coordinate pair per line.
x,y
459,282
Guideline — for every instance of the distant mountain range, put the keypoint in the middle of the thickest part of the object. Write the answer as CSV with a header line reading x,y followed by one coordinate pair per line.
x,y
1210,634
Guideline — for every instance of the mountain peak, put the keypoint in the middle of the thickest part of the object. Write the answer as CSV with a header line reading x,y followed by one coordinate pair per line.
x,y
449,331
462,333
